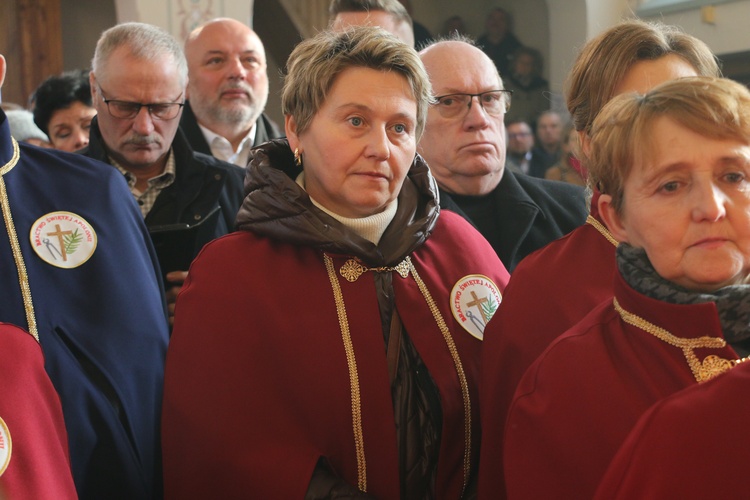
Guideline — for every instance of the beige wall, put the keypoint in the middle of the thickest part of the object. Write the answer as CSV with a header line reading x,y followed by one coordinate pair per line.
x,y
179,17
730,32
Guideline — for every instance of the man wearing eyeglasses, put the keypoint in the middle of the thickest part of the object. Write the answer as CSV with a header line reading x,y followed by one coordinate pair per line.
x,y
138,81
464,145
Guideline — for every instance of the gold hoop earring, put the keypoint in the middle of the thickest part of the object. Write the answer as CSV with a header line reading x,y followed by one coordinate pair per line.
x,y
297,157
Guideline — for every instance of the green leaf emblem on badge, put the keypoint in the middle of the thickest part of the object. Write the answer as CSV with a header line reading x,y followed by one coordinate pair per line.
x,y
72,241
489,307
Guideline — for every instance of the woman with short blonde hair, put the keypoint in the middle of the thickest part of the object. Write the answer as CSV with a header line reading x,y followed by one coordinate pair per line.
x,y
337,333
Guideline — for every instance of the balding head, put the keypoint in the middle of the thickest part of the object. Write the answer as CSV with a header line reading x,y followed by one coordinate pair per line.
x,y
461,54
219,27
228,85
466,153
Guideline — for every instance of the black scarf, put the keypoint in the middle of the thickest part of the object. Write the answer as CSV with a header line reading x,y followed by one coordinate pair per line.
x,y
732,302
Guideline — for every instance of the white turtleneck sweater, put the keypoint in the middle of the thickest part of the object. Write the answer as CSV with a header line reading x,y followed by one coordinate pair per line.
x,y
370,228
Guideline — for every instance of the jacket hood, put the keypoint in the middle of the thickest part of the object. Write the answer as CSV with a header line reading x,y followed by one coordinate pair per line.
x,y
277,207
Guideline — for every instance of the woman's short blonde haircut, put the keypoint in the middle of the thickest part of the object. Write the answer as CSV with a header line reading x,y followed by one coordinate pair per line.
x,y
622,138
604,60
315,63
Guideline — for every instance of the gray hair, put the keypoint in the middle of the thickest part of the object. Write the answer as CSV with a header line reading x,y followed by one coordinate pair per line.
x,y
144,41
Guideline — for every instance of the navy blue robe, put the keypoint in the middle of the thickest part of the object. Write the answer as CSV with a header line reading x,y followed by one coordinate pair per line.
x,y
102,325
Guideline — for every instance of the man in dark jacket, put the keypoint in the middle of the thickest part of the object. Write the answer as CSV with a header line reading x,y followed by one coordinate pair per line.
x,y
464,144
227,91
138,84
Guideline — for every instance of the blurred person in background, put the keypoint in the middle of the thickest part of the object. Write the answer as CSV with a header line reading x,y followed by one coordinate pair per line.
x,y
549,137
569,168
498,41
454,26
530,90
522,156
63,110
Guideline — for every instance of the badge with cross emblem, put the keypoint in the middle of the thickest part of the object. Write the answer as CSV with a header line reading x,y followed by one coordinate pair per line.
x,y
474,300
63,239
6,446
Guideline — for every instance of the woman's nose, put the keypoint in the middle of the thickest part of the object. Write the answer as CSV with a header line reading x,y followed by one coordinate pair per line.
x,y
709,203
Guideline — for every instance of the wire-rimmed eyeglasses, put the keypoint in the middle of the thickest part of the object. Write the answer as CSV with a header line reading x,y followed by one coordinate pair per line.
x,y
126,110
494,103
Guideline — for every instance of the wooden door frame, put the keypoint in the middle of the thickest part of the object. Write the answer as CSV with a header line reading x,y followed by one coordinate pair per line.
x,y
31,41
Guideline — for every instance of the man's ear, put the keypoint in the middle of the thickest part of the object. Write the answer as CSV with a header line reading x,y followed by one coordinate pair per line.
x,y
612,219
290,127
94,87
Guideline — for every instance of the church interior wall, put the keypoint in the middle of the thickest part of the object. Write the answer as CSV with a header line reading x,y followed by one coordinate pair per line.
x,y
556,27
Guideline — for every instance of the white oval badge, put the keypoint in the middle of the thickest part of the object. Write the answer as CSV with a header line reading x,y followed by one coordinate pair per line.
x,y
63,239
474,300
6,446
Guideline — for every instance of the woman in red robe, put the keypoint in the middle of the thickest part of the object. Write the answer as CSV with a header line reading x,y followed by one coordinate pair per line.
x,y
555,287
677,450
34,460
673,167
330,348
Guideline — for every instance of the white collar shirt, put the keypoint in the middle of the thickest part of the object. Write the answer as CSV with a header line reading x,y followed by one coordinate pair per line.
x,y
221,148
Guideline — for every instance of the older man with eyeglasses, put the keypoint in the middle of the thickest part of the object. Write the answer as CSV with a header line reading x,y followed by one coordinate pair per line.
x,y
138,81
464,144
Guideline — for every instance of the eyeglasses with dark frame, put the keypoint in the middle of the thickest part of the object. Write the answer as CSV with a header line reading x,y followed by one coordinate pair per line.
x,y
494,103
127,110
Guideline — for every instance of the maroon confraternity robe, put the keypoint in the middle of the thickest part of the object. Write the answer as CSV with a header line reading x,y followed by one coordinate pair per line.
x,y
690,445
34,460
577,403
257,382
550,291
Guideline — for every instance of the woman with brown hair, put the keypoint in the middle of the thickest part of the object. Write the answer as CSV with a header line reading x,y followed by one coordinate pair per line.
x,y
571,276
